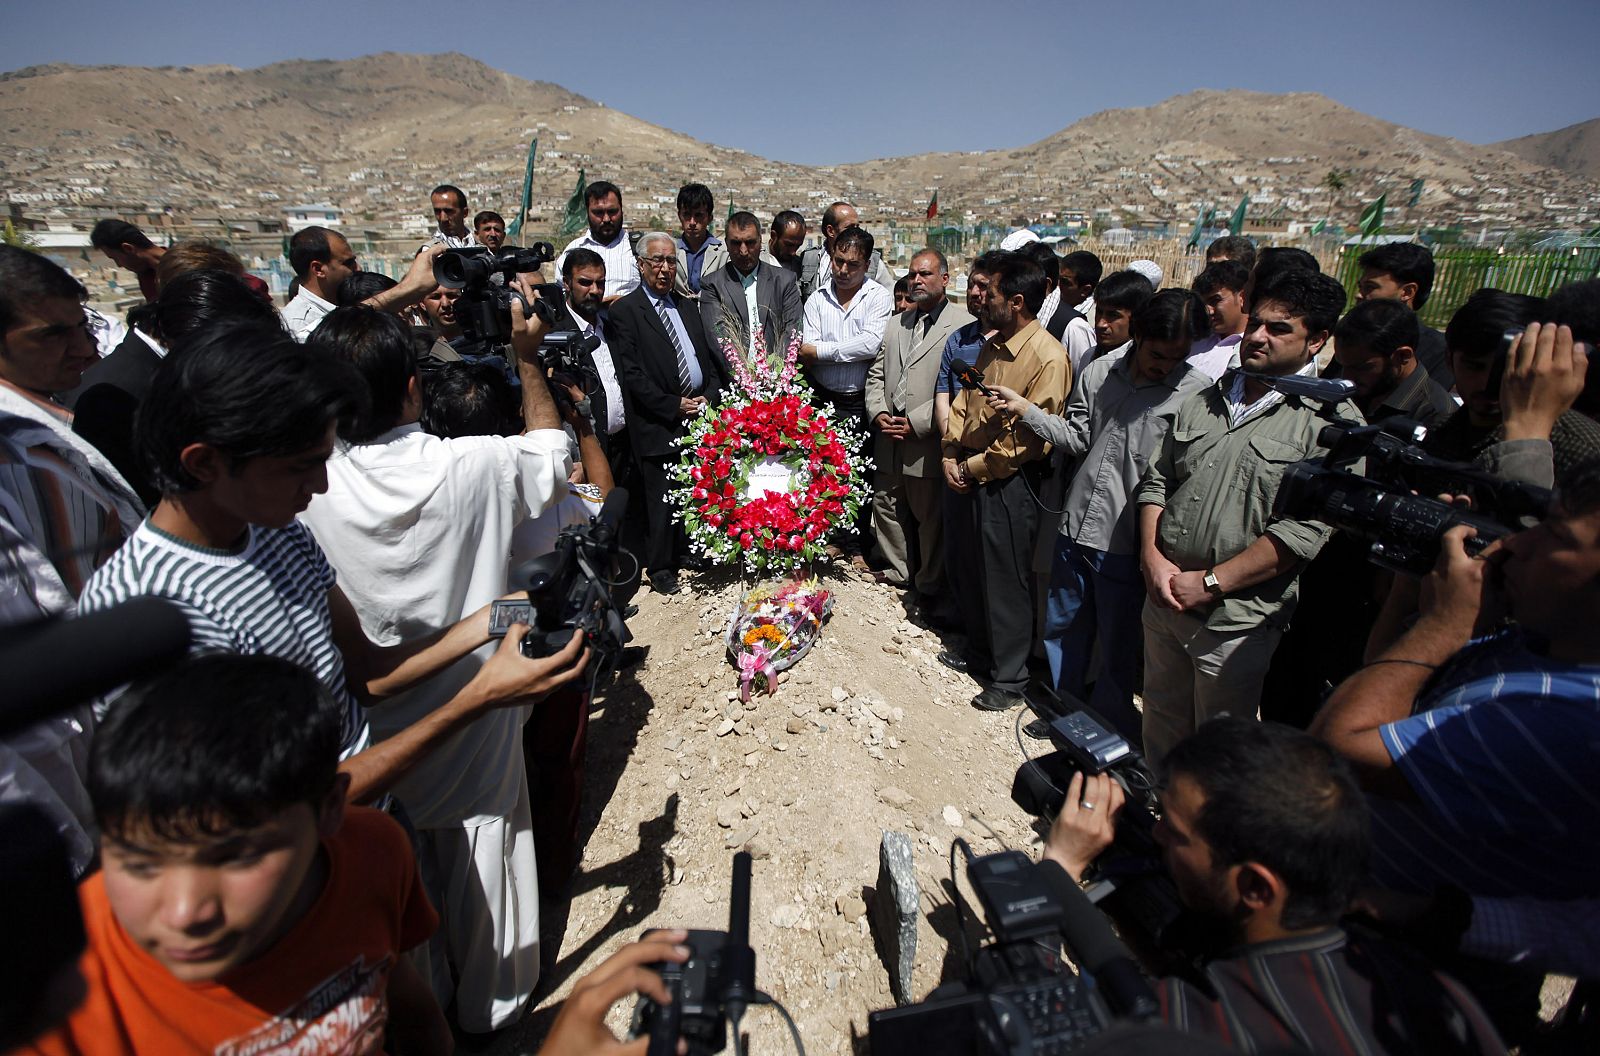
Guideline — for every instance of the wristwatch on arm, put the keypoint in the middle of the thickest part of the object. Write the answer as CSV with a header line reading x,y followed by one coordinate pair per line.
x,y
1213,587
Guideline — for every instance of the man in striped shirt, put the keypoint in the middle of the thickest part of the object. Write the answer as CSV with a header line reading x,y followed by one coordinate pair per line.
x,y
234,470
1264,831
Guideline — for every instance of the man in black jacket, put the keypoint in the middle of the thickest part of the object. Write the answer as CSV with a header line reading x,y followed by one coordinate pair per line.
x,y
669,374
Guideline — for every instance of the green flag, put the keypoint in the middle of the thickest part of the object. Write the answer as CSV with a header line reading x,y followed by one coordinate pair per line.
x,y
1372,216
1416,192
731,211
527,194
1316,228
577,217
1201,219
1236,224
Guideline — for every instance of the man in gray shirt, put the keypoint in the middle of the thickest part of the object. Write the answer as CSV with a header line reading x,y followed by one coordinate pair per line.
x,y
1115,420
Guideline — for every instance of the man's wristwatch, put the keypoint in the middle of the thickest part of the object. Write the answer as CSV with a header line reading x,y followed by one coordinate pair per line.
x,y
1213,587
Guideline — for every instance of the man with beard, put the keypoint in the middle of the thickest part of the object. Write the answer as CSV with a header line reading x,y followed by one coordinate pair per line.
x,y
608,237
1376,349
1264,832
583,276
747,293
1220,569
993,517
906,501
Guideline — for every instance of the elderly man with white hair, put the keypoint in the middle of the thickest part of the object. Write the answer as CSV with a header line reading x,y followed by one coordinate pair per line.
x,y
669,374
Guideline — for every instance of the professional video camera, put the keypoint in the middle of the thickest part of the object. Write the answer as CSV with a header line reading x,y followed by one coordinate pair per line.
x,y
1129,878
581,587
1020,995
1403,529
484,309
711,990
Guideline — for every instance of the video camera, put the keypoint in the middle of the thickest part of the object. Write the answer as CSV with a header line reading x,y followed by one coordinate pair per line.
x,y
713,988
1020,995
484,309
1403,529
577,588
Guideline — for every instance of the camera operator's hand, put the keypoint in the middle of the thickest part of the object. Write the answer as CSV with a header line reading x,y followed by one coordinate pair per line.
x,y
1086,824
1158,576
1454,597
417,284
509,678
580,1027
690,406
528,327
1544,376
1008,401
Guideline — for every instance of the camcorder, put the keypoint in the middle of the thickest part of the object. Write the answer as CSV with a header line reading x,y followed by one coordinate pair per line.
x,y
1403,529
1020,994
485,306
487,300
580,587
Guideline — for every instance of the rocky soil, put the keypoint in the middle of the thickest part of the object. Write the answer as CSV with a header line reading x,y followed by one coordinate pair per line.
x,y
867,734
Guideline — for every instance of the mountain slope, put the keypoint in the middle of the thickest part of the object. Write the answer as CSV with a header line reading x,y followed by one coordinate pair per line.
x,y
1575,148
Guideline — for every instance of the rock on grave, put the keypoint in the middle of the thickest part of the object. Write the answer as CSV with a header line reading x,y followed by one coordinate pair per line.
x,y
894,912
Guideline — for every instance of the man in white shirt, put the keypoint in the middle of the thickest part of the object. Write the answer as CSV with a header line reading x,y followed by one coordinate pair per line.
x,y
1221,286
450,210
608,237
583,276
321,260
393,524
843,328
814,262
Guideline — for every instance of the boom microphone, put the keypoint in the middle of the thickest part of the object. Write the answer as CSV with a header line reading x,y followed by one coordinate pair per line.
x,y
969,376
1096,947
609,518
51,665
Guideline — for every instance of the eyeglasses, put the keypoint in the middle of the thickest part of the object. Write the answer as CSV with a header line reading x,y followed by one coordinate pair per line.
x,y
660,262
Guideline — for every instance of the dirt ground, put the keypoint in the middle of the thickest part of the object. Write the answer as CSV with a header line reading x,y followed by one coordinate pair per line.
x,y
867,733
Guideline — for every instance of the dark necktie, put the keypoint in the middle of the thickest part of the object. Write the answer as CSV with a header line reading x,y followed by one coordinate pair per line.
x,y
684,379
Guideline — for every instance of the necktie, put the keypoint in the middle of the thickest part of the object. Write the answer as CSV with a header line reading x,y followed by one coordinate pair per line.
x,y
677,348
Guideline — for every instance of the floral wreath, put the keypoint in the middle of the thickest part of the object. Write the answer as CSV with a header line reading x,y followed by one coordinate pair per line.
x,y
766,478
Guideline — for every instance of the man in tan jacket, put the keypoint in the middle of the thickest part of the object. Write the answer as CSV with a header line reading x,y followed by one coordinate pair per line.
x,y
907,519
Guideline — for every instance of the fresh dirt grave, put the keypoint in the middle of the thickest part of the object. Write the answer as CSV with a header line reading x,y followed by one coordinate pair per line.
x,y
868,733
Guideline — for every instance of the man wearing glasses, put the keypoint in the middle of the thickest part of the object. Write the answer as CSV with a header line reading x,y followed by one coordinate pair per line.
x,y
321,260
669,374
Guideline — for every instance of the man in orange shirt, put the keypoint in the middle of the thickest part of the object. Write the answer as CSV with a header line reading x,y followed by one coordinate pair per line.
x,y
242,907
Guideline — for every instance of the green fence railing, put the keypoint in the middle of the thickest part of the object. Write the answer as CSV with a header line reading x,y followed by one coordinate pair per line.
x,y
1461,270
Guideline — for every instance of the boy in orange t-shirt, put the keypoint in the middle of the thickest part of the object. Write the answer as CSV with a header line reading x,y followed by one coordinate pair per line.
x,y
242,909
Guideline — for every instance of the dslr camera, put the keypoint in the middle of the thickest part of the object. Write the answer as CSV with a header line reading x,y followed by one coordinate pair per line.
x,y
1403,529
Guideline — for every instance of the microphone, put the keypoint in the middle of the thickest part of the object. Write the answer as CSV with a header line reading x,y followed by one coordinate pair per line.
x,y
610,515
738,983
51,665
1095,946
1326,390
969,376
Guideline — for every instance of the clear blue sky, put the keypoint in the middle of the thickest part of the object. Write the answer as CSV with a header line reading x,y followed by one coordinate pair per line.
x,y
937,75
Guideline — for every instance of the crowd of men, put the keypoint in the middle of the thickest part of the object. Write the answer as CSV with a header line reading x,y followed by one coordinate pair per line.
x,y
338,819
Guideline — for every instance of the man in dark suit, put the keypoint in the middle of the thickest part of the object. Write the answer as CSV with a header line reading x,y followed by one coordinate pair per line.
x,y
669,375
726,304
111,391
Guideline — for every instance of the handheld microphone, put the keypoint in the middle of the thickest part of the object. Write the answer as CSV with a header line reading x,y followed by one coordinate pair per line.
x,y
738,959
1327,390
969,376
51,665
1095,946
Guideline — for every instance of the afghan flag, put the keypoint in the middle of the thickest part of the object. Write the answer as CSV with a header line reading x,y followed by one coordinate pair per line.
x,y
1236,224
933,205
515,227
577,217
1372,216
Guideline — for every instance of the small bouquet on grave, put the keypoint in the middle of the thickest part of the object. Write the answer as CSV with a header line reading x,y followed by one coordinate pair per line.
x,y
772,628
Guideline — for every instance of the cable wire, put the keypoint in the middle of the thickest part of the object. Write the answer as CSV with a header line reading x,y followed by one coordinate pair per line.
x,y
761,997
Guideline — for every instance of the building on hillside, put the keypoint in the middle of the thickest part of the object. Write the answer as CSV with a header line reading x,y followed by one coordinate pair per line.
x,y
322,214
